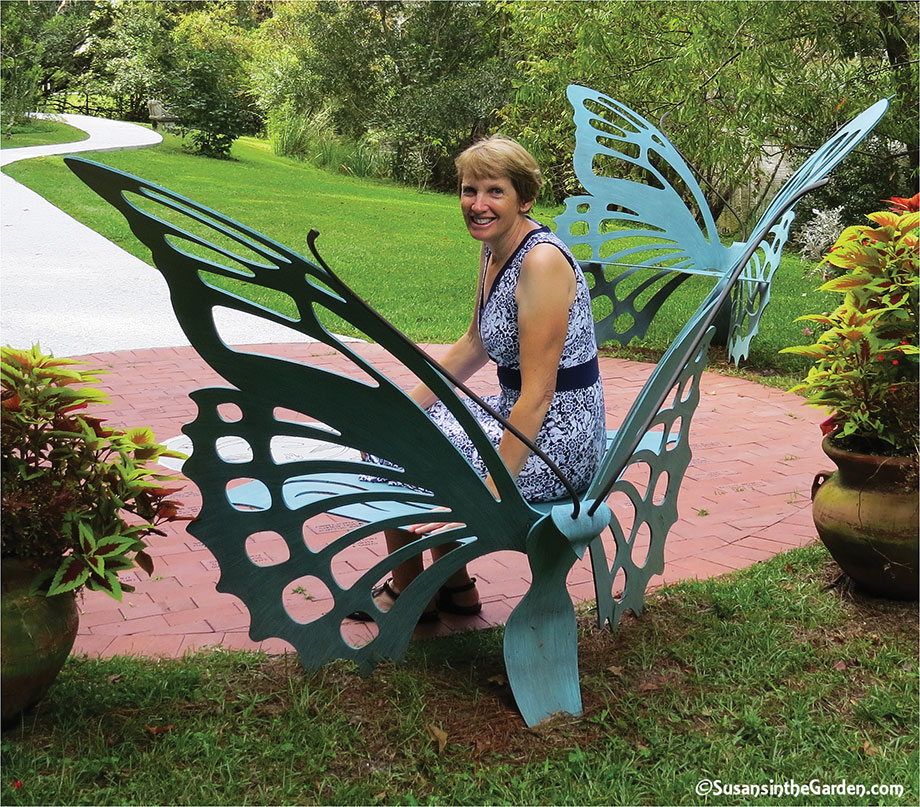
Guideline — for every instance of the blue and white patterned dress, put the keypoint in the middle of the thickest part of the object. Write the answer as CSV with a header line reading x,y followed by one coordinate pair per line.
x,y
573,432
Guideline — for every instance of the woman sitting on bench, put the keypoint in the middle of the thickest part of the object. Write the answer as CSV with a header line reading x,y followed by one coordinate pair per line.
x,y
533,319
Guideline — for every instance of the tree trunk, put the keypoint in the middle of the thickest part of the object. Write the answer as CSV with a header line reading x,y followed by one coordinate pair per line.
x,y
896,47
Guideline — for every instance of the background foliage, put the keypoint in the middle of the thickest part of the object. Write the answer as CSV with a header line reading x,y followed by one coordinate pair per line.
x,y
386,88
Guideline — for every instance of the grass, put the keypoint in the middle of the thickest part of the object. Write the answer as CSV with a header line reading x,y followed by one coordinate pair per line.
x,y
774,673
406,251
40,133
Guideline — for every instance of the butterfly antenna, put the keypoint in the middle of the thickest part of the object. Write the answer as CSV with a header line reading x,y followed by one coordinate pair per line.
x,y
576,503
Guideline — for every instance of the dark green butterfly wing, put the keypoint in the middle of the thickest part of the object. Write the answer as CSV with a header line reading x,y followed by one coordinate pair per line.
x,y
213,264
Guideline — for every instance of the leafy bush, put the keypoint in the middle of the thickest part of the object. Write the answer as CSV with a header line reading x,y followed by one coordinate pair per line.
x,y
311,137
209,94
865,368
369,157
20,70
299,134
71,486
818,234
877,170
292,133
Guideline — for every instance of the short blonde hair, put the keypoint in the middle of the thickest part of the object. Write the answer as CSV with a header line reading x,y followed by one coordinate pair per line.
x,y
500,157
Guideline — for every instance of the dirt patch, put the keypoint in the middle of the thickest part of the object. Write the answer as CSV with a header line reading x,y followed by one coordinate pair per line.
x,y
869,615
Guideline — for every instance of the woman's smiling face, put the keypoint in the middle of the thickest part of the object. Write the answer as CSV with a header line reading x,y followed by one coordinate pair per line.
x,y
491,207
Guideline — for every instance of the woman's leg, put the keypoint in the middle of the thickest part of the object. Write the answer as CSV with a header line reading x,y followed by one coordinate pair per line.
x,y
404,573
408,570
467,595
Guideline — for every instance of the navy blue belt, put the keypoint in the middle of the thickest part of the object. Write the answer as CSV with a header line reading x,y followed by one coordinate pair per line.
x,y
580,376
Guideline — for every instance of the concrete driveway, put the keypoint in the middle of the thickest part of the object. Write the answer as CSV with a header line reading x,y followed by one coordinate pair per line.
x,y
64,286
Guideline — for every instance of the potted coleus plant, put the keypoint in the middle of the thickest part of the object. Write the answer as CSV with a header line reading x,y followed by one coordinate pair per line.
x,y
78,500
865,372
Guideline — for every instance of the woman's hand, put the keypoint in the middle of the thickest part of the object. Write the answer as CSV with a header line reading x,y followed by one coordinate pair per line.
x,y
434,527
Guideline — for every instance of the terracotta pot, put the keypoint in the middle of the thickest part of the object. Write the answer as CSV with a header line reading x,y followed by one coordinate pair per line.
x,y
37,636
866,513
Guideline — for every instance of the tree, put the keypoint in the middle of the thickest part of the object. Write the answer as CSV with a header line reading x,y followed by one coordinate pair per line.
x,y
20,64
129,47
423,77
277,66
887,162
454,75
208,91
739,87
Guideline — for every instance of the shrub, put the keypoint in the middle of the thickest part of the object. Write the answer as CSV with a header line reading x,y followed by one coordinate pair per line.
x,y
78,499
865,369
818,234
209,92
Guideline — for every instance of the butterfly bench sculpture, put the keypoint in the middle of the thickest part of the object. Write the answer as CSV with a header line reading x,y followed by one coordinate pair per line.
x,y
211,262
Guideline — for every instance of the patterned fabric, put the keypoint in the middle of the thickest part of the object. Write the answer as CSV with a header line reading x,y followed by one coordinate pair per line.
x,y
573,431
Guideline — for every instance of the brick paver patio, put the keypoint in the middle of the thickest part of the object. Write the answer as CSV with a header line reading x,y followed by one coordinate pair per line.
x,y
745,498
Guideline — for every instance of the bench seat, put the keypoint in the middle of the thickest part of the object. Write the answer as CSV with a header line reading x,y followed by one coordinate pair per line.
x,y
368,501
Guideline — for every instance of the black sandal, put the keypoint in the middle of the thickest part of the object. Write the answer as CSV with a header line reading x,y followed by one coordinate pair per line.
x,y
445,600
386,588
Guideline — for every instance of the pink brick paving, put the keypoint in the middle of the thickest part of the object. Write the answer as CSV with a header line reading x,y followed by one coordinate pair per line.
x,y
745,498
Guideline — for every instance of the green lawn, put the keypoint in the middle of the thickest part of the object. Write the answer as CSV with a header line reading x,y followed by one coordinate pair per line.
x,y
406,251
769,675
41,133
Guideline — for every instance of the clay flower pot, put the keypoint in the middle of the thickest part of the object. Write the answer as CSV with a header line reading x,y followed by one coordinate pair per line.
x,y
37,636
866,513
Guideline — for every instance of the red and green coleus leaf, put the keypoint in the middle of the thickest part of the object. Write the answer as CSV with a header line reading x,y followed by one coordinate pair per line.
x,y
908,240
817,351
115,546
71,574
824,319
168,511
143,443
909,221
884,218
845,283
144,560
119,564
900,204
109,583
85,538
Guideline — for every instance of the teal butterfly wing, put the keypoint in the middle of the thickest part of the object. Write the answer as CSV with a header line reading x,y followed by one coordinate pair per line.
x,y
644,226
643,205
645,217
644,209
643,223
750,297
212,263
